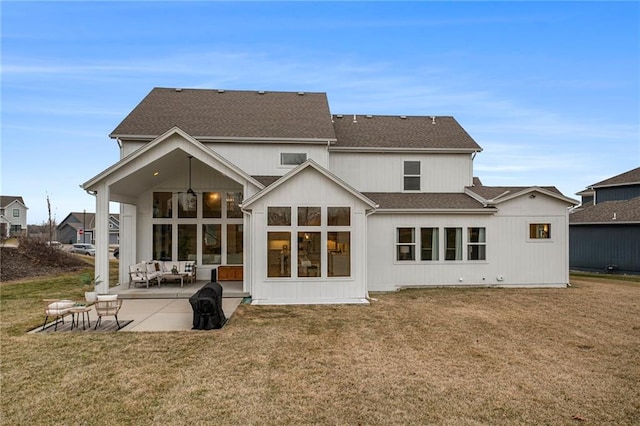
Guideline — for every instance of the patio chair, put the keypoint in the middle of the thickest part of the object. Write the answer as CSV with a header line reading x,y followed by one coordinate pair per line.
x,y
108,307
57,309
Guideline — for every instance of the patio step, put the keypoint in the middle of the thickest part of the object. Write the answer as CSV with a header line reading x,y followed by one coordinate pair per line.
x,y
230,289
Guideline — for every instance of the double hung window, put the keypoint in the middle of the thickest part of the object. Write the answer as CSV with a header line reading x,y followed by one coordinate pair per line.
x,y
477,244
411,176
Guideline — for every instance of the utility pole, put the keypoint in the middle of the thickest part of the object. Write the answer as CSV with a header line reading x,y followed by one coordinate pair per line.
x,y
84,224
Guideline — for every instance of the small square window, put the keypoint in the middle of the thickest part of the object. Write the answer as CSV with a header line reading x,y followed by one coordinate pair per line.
x,y
16,212
539,231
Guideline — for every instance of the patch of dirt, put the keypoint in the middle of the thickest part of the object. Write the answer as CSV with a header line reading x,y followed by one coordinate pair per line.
x,y
34,258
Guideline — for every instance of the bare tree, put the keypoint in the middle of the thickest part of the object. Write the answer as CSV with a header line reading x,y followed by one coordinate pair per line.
x,y
52,220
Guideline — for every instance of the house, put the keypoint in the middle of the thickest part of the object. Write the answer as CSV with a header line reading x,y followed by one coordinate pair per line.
x,y
315,207
604,232
78,227
13,216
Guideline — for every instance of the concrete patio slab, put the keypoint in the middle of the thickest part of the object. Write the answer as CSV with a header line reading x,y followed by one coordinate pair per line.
x,y
165,314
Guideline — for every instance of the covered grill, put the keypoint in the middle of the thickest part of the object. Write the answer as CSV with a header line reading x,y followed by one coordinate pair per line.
x,y
207,307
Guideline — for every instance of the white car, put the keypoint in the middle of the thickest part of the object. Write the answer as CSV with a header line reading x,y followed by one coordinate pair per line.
x,y
89,249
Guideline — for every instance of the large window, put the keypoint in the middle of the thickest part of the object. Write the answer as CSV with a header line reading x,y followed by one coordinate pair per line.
x,y
211,244
234,244
339,254
412,176
306,245
539,231
207,227
453,244
309,247
187,242
406,244
279,254
477,244
429,244
161,242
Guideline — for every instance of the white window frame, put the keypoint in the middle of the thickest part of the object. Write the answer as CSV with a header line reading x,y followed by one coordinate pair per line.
x,y
406,175
548,239
282,164
477,244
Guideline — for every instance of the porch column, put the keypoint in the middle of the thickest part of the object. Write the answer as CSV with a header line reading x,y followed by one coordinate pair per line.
x,y
128,240
102,239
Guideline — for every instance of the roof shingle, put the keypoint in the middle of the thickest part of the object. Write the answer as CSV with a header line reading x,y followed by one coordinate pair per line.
x,y
415,132
623,211
626,178
426,201
230,113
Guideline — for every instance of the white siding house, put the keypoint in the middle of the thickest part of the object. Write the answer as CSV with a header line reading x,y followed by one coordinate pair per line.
x,y
13,216
319,208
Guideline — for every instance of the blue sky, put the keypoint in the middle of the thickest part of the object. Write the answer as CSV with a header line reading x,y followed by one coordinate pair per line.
x,y
550,90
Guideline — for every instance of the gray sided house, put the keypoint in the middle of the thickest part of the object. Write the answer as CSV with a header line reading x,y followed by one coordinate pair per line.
x,y
79,227
13,216
604,232
305,206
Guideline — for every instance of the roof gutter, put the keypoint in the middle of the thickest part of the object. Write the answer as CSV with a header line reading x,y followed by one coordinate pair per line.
x,y
488,210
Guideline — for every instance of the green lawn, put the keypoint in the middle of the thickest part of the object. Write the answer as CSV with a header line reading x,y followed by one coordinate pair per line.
x,y
429,356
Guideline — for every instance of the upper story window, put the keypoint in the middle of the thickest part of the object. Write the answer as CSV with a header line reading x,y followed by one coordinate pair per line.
x,y
412,176
539,231
16,212
292,158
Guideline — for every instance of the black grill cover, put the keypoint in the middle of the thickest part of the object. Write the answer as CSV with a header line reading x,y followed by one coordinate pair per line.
x,y
207,307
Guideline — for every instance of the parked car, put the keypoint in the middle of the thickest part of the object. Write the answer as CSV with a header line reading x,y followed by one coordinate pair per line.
x,y
55,244
89,249
116,253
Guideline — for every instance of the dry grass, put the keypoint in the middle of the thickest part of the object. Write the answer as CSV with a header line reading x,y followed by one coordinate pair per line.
x,y
443,356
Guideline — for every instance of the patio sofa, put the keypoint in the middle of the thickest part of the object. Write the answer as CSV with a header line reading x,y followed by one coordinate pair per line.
x,y
152,271
187,267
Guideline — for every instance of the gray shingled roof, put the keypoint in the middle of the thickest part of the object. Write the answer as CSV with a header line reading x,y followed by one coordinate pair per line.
x,y
5,200
624,211
266,180
491,192
626,178
416,132
400,200
230,113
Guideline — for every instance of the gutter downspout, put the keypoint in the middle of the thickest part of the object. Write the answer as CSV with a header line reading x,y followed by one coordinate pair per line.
x,y
366,235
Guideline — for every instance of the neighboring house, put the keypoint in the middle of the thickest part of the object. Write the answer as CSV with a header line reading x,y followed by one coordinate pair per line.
x,y
319,208
604,232
79,227
13,216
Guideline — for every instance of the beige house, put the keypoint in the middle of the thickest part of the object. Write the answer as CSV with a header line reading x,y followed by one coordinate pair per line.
x,y
314,207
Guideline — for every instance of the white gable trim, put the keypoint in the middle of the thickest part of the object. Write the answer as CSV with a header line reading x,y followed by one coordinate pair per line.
x,y
194,147
299,169
509,195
